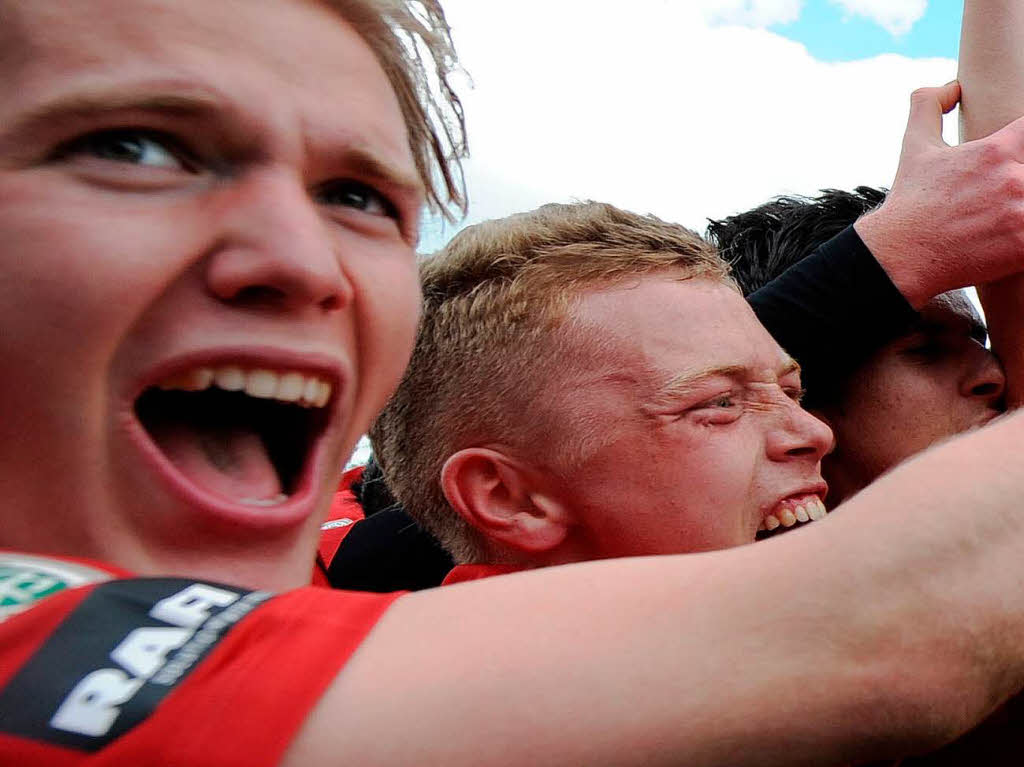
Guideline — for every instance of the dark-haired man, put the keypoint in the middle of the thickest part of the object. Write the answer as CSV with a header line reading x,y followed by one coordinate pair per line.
x,y
933,379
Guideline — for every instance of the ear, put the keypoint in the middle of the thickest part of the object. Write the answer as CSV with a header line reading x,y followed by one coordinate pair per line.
x,y
503,498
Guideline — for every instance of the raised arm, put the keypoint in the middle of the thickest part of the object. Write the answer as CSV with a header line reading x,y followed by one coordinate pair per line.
x,y
955,215
892,626
992,78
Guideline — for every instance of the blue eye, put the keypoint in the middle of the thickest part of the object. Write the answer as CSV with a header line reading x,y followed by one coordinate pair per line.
x,y
724,401
357,195
129,146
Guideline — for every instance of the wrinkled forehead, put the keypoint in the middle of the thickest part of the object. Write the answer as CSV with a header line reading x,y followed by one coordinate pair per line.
x,y
659,327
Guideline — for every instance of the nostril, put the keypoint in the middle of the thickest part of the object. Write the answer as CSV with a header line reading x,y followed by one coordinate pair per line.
x,y
331,303
799,451
258,295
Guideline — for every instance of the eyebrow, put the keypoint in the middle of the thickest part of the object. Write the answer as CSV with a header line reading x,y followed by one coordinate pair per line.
x,y
684,384
366,164
188,101
182,101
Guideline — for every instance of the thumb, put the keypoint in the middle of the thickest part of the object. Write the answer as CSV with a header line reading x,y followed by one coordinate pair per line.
x,y
927,105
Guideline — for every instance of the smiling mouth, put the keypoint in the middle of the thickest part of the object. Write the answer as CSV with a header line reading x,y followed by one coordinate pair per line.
x,y
792,513
243,435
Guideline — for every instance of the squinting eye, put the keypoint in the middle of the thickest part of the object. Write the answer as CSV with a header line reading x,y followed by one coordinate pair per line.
x,y
718,411
135,147
796,395
354,194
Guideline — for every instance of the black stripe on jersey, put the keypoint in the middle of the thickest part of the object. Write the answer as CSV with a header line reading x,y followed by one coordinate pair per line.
x,y
116,656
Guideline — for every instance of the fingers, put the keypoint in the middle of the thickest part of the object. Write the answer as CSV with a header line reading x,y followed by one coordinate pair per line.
x,y
927,105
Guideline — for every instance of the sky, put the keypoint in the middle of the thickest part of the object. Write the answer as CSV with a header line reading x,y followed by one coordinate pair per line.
x,y
688,109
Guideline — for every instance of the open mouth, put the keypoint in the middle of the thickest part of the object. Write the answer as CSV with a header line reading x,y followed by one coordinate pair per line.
x,y
792,513
245,436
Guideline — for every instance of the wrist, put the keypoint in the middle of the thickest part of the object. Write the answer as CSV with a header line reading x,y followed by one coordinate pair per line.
x,y
884,234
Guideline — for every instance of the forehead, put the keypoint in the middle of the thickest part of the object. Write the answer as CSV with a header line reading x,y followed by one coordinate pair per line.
x,y
948,314
292,66
658,328
953,307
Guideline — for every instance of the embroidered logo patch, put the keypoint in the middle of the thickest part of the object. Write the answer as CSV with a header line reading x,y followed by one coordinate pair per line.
x,y
25,579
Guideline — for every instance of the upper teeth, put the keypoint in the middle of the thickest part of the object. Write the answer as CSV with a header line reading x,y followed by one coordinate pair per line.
x,y
808,510
290,386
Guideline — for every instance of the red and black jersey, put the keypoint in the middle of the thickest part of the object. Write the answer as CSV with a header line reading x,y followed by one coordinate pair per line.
x,y
465,573
100,669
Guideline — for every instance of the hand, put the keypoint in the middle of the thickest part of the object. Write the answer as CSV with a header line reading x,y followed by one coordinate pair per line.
x,y
955,215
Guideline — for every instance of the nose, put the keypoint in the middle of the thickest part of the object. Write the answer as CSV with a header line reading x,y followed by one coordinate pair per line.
x,y
273,249
799,434
985,380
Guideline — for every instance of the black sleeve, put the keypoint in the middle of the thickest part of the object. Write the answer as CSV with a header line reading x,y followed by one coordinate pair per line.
x,y
388,551
832,310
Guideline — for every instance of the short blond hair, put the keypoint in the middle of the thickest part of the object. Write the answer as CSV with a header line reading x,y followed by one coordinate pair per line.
x,y
497,333
413,44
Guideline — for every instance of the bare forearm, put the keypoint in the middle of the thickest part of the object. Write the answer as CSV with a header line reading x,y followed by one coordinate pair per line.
x,y
991,66
992,77
889,627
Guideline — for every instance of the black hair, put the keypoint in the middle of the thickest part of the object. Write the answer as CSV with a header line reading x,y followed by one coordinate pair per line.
x,y
372,491
762,243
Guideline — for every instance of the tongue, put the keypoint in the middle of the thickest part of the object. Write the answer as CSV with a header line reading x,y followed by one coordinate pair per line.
x,y
230,461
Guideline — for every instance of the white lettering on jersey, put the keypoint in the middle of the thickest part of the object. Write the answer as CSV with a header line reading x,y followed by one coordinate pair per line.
x,y
94,704
145,650
192,606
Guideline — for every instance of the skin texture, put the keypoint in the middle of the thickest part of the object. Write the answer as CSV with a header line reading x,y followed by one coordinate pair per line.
x,y
865,645
954,215
991,74
222,225
931,383
693,393
104,281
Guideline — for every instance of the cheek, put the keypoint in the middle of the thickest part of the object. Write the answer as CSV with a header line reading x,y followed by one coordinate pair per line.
x,y
712,464
388,305
72,275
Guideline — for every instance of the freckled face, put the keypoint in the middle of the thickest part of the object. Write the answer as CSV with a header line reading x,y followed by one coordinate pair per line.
x,y
179,191
933,382
701,435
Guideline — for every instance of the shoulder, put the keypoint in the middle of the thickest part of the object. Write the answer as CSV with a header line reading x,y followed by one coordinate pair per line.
x,y
123,664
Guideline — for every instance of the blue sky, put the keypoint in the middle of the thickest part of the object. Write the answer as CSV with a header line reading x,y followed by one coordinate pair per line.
x,y
832,34
689,109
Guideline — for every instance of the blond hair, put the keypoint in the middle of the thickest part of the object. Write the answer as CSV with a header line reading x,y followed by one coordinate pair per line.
x,y
412,42
497,337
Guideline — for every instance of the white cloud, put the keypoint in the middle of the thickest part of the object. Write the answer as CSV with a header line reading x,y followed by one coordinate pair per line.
x,y
653,108
895,16
752,13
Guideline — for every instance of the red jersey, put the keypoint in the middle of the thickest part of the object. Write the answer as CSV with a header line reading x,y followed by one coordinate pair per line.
x,y
100,669
463,573
345,511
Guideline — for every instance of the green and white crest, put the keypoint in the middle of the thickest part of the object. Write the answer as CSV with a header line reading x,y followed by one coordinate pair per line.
x,y
26,580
